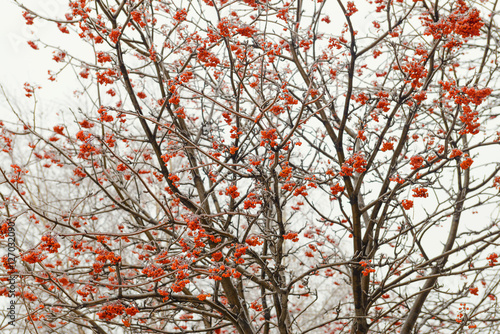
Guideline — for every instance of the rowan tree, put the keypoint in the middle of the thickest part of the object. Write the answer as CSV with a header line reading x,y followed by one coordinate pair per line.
x,y
259,166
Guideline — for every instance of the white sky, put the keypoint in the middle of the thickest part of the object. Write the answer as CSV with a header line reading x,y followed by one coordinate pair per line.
x,y
20,63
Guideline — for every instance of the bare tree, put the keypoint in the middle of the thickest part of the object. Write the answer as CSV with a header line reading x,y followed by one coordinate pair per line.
x,y
260,167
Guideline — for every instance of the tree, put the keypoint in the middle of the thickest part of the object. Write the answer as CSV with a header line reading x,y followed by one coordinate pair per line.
x,y
260,167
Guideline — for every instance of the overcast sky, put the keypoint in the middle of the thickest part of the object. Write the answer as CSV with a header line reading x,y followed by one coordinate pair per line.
x,y
20,63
